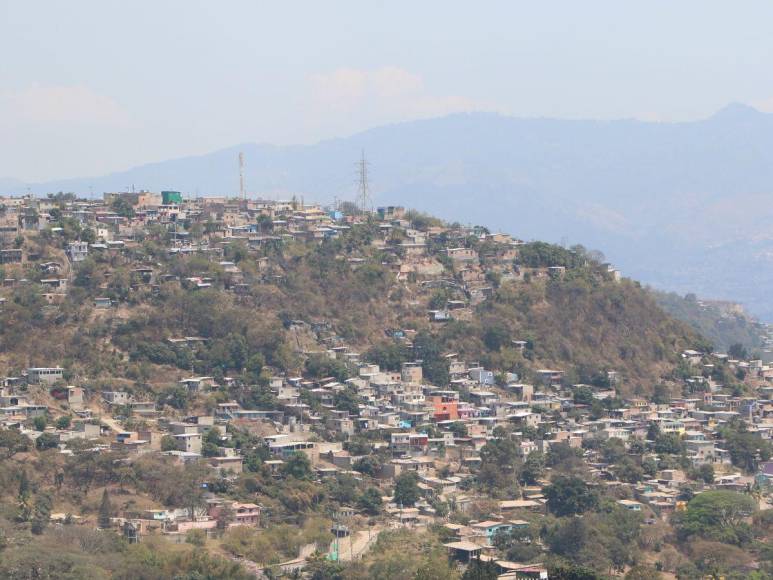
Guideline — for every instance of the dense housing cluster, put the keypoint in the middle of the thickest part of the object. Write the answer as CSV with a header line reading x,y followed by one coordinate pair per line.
x,y
289,385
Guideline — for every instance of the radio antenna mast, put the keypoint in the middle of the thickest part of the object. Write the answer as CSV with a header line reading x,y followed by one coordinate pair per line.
x,y
364,201
242,192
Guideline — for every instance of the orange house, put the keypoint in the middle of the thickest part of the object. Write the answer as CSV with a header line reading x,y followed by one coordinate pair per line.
x,y
445,408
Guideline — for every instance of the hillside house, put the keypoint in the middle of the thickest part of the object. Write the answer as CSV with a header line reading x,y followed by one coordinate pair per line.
x,y
549,377
47,375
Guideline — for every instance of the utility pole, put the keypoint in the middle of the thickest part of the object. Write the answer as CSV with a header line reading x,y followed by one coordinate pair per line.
x,y
364,201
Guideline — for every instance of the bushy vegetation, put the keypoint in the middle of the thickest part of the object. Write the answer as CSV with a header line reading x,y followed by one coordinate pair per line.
x,y
727,331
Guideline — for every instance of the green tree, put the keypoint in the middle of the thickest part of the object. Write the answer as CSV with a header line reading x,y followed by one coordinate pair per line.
x,y
388,355
478,569
41,513
642,572
533,468
704,473
168,443
105,511
297,466
496,336
613,450
746,448
567,571
562,454
40,422
13,442
518,545
661,395
718,515
738,351
669,443
347,400
63,422
24,486
368,465
370,501
569,495
583,396
46,441
406,489
122,207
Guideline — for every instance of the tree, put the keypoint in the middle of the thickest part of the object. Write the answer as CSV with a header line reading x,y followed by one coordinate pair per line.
x,y
459,429
717,515
122,207
428,349
168,443
13,442
41,513
629,471
210,450
225,516
583,396
388,355
370,501
24,486
642,572
670,443
518,545
496,336
46,441
571,572
661,395
746,448
613,450
347,400
501,452
297,466
211,443
569,495
255,365
533,468
737,351
63,422
190,490
105,511
343,489
477,569
406,489
40,422
368,465
319,366
704,473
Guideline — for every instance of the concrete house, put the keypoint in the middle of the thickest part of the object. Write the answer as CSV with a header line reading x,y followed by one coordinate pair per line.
x,y
47,375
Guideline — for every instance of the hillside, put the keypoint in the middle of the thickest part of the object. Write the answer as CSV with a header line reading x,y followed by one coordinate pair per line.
x,y
279,303
723,324
634,189
218,388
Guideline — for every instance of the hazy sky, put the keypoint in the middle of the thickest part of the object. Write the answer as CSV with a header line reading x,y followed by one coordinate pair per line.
x,y
88,87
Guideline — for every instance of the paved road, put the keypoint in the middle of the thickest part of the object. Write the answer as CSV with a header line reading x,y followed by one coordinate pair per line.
x,y
353,548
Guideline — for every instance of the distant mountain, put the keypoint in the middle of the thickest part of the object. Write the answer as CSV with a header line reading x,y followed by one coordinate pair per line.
x,y
682,206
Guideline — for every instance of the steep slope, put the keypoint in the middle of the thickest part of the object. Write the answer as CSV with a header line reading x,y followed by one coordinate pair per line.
x,y
724,324
295,299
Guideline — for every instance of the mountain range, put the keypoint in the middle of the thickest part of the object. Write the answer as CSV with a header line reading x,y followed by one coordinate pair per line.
x,y
681,206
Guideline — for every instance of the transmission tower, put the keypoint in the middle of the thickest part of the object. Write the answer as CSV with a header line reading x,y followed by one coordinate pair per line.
x,y
364,202
242,192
